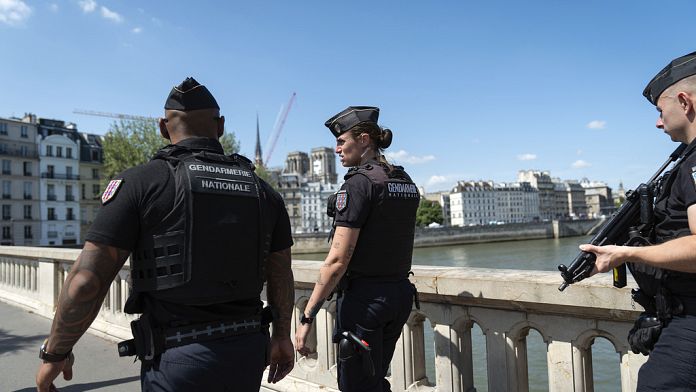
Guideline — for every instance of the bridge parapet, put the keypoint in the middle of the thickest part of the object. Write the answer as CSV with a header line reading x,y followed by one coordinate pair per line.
x,y
505,304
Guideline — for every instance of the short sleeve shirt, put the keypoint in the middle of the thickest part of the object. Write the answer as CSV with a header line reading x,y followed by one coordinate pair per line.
x,y
671,219
354,201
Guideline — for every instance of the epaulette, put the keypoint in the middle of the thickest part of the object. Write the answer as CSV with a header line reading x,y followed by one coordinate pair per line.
x,y
244,160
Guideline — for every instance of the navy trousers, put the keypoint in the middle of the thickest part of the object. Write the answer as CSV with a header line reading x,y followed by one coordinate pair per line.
x,y
672,364
376,312
230,364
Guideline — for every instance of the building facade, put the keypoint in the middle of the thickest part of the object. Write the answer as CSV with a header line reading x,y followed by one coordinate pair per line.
x,y
91,179
59,163
598,197
20,222
314,202
541,180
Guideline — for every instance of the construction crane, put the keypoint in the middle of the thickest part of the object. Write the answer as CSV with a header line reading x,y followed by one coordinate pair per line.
x,y
278,128
113,115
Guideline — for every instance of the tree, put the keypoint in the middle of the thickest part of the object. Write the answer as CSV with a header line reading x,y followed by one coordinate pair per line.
x,y
428,212
130,143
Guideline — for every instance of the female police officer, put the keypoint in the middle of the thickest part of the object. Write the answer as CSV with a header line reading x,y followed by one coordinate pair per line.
x,y
375,213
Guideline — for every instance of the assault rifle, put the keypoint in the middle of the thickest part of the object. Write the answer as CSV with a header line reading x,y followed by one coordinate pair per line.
x,y
629,225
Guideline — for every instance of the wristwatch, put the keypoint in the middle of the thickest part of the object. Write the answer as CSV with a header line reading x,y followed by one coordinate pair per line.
x,y
51,357
306,320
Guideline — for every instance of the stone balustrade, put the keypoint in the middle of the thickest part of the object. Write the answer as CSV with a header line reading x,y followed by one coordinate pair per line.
x,y
505,304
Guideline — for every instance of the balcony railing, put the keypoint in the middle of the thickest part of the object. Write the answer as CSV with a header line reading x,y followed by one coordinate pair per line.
x,y
16,152
69,198
52,217
27,196
6,196
51,197
70,217
60,176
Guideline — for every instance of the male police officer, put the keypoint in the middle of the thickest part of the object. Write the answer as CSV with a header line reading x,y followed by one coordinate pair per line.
x,y
204,231
666,272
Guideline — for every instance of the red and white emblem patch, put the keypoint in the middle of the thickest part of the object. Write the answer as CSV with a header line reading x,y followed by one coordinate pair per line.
x,y
341,201
110,191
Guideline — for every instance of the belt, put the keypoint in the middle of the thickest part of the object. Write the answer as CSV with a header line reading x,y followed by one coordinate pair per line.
x,y
150,341
193,333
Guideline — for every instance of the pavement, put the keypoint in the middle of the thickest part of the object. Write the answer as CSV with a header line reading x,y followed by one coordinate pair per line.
x,y
97,364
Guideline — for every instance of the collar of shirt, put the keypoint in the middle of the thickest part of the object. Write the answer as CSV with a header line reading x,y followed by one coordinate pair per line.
x,y
202,143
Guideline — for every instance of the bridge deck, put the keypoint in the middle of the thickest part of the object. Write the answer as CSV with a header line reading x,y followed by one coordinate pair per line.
x,y
97,368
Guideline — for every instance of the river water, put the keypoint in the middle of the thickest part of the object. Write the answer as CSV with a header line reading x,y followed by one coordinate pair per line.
x,y
543,255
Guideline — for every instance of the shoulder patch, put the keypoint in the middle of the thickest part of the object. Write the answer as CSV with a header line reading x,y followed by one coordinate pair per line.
x,y
111,190
341,201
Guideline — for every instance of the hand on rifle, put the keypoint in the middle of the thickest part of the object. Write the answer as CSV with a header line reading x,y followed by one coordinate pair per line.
x,y
608,256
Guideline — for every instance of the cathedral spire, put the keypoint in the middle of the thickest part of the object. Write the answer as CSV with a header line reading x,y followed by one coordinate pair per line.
x,y
258,161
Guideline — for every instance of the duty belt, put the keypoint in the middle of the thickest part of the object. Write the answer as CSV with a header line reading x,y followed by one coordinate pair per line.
x,y
149,342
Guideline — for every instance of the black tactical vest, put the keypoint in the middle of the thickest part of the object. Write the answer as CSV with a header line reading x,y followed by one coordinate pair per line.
x,y
385,244
650,278
210,248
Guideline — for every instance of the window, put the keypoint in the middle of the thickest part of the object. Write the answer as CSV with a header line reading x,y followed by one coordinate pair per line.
x,y
68,193
84,193
95,174
27,168
27,232
59,151
24,151
49,151
27,191
3,148
6,190
3,128
24,131
68,172
6,212
51,213
96,190
6,166
27,212
70,215
68,152
6,233
95,156
51,192
51,170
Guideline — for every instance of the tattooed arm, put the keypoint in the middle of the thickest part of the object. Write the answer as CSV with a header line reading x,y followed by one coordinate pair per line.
x,y
281,296
330,273
281,290
79,303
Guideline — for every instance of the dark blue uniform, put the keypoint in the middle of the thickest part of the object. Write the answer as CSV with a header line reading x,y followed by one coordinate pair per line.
x,y
672,363
144,200
377,295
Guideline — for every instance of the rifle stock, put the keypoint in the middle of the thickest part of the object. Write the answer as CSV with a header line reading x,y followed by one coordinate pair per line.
x,y
614,231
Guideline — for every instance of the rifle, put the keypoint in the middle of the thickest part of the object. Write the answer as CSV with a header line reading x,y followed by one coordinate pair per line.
x,y
629,225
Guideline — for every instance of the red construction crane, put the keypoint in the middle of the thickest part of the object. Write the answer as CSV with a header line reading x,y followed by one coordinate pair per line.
x,y
279,128
112,115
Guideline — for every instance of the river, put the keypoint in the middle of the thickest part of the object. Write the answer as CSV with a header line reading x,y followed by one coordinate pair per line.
x,y
543,255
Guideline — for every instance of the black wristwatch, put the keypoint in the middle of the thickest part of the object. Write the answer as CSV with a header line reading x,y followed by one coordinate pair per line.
x,y
306,320
51,357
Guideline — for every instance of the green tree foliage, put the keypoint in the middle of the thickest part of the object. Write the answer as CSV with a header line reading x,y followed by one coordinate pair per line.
x,y
263,173
428,212
130,143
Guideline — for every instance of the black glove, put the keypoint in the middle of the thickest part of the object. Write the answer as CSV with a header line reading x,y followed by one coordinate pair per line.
x,y
644,334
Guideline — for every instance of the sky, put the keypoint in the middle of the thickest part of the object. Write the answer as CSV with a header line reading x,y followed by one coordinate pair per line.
x,y
471,90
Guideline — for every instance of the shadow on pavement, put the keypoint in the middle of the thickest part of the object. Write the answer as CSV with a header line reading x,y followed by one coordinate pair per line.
x,y
10,343
87,386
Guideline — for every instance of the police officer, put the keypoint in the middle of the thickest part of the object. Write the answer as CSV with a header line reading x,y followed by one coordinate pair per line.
x,y
666,272
204,233
371,249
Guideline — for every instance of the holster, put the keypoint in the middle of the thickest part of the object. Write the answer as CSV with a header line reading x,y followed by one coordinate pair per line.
x,y
645,333
350,344
147,342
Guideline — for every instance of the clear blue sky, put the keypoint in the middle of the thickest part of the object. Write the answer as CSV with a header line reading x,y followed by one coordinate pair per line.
x,y
472,90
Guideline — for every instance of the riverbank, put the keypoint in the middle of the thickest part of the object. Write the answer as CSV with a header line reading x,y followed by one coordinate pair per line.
x,y
429,237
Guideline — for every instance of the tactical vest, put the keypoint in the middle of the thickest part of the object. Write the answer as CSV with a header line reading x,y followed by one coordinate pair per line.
x,y
650,278
385,245
210,247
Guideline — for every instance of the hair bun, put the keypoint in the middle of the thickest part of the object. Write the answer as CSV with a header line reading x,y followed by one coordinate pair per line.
x,y
385,138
